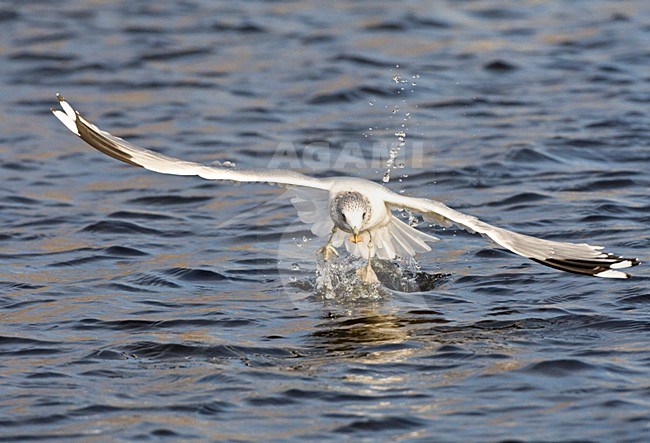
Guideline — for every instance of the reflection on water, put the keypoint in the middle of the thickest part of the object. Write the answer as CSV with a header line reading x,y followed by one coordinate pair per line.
x,y
368,327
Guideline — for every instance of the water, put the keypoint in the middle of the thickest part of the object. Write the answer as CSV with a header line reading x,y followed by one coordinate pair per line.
x,y
136,306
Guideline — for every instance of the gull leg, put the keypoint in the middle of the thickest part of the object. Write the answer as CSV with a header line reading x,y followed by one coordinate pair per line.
x,y
366,272
328,250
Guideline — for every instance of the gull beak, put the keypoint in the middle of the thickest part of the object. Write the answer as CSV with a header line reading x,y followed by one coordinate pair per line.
x,y
356,238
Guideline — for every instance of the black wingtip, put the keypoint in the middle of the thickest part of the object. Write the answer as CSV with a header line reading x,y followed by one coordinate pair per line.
x,y
608,267
102,143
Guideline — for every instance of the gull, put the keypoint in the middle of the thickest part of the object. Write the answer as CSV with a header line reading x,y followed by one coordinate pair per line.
x,y
357,212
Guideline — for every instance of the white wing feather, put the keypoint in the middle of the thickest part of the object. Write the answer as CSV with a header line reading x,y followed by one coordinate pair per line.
x,y
153,161
579,258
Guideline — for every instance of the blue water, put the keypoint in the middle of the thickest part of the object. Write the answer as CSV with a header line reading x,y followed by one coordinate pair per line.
x,y
138,306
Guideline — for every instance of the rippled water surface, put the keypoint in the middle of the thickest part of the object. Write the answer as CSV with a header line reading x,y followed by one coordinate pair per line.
x,y
138,306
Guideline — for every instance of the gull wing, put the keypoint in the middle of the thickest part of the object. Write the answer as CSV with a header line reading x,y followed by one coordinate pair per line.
x,y
153,161
571,257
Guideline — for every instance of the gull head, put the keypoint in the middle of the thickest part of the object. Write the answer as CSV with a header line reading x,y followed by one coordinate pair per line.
x,y
351,212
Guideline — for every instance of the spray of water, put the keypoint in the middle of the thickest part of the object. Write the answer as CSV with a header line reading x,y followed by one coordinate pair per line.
x,y
400,132
337,279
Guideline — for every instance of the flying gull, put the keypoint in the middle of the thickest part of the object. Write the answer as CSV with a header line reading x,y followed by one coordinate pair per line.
x,y
357,212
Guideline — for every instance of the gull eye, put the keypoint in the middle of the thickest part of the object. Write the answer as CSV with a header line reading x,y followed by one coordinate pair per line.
x,y
343,216
364,215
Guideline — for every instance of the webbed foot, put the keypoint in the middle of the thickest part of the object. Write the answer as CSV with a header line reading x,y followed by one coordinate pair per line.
x,y
367,274
327,251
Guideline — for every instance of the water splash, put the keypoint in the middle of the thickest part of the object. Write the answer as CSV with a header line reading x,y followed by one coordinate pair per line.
x,y
401,132
392,155
337,279
223,164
